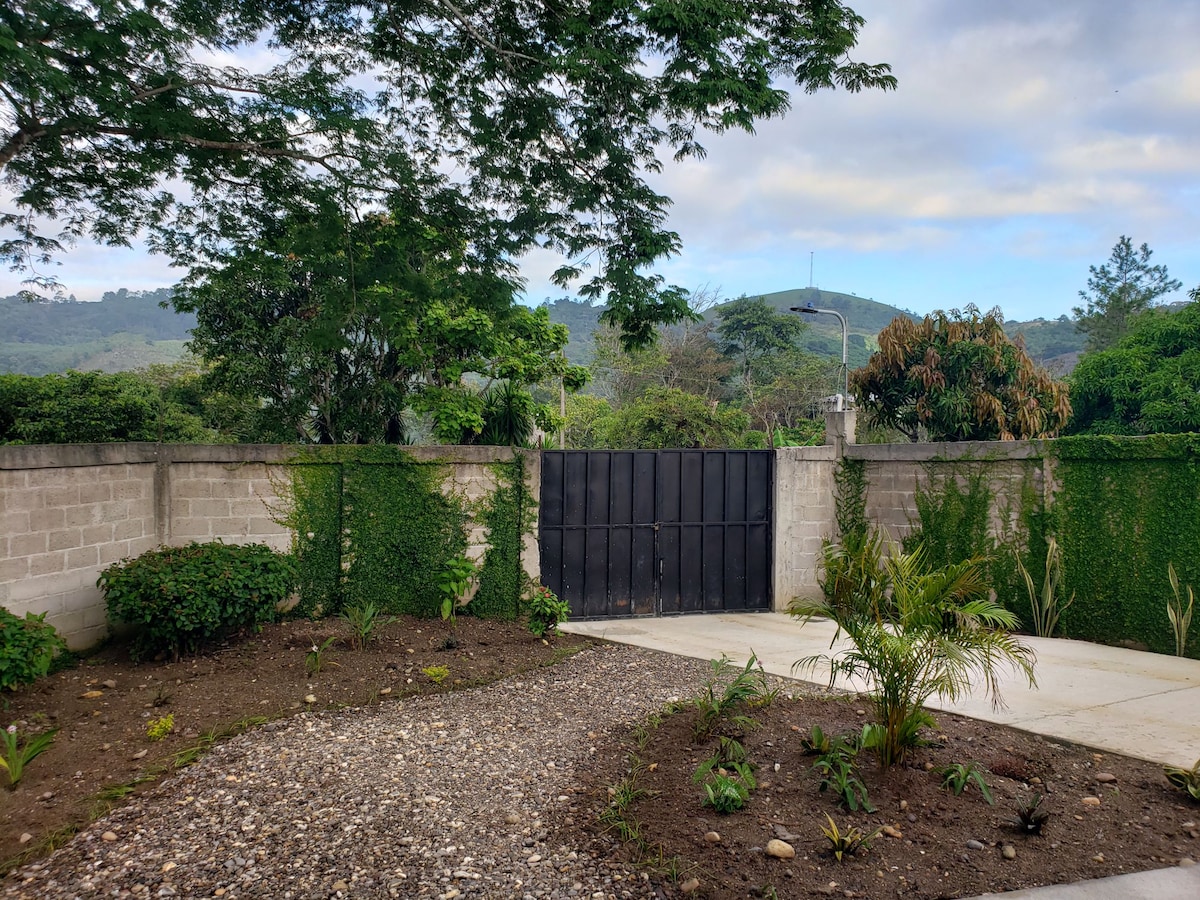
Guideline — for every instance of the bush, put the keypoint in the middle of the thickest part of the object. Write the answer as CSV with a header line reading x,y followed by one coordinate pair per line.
x,y
180,598
28,648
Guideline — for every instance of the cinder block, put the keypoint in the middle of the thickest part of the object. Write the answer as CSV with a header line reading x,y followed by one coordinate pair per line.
x,y
114,551
212,509
264,526
130,490
83,558
95,493
27,544
190,528
97,534
230,489
63,495
230,528
113,511
13,568
47,564
19,522
84,514
64,539
127,529
18,498
250,507
191,487
142,545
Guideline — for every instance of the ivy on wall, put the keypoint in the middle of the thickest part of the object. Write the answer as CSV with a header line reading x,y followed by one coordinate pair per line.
x,y
508,514
1126,507
373,525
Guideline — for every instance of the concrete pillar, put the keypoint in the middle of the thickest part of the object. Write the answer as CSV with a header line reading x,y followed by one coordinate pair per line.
x,y
839,428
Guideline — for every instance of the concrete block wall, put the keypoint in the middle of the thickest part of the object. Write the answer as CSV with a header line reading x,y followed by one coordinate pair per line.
x,y
804,496
67,512
895,472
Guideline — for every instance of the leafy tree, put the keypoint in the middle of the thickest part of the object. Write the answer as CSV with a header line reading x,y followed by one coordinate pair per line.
x,y
588,422
755,337
112,121
683,356
1118,291
94,407
1148,383
957,377
669,418
333,329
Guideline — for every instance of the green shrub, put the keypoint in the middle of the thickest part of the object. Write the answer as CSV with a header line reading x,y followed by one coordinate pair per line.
x,y
180,598
28,648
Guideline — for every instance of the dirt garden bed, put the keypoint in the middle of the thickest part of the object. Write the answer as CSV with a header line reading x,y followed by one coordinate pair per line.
x,y
1108,814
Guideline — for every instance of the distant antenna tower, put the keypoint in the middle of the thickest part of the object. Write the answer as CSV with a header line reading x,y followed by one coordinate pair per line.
x,y
810,268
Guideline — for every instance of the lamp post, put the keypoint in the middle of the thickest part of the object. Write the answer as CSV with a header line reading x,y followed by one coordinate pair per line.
x,y
844,376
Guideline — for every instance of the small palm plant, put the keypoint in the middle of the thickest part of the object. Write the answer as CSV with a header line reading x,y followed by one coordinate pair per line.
x,y
938,633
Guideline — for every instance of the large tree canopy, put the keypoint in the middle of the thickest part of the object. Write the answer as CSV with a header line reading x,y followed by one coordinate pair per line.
x,y
1149,382
957,377
335,330
1118,292
524,123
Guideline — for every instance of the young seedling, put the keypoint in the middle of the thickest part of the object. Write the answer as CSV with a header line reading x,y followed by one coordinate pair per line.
x,y
958,778
1030,819
16,754
846,843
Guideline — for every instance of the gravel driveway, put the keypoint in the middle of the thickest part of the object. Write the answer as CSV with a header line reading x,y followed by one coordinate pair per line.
x,y
435,797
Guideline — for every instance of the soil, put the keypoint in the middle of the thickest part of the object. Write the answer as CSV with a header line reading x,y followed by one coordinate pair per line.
x,y
1109,814
103,706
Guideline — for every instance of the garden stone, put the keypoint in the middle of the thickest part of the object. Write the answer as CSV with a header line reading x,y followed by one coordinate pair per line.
x,y
974,845
780,849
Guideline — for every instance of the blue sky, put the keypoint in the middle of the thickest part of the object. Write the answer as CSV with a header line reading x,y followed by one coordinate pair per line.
x,y
1025,138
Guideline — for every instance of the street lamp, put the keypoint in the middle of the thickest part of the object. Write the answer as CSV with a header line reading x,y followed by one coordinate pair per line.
x,y
844,375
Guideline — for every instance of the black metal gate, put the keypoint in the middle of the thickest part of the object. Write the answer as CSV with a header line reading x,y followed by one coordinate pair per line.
x,y
656,532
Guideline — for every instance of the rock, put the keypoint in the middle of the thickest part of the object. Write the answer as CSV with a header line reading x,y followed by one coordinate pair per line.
x,y
1099,857
110,684
780,849
690,886
340,885
512,818
1187,862
712,837
26,838
1105,777
903,805
140,754
1009,851
974,845
167,867
310,698
108,836
891,831
928,767
536,858
91,695
1091,801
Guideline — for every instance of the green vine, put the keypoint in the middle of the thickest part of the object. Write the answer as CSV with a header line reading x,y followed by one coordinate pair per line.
x,y
508,514
1128,508
850,500
372,525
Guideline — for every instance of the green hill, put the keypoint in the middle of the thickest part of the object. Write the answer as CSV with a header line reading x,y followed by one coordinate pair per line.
x,y
124,330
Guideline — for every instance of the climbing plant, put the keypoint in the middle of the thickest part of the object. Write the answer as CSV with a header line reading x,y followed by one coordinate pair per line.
x,y
1127,508
507,515
373,525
